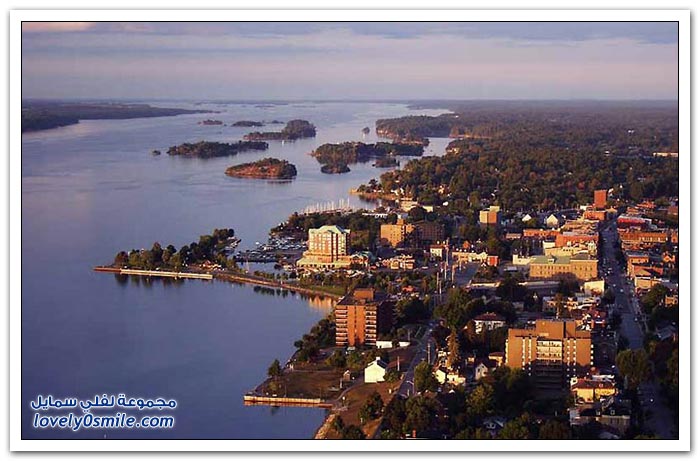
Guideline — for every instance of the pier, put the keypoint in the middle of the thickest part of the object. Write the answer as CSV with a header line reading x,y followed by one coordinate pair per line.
x,y
145,273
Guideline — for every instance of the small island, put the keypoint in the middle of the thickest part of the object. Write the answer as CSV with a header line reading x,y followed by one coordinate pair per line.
x,y
267,168
155,152
335,158
295,129
335,168
206,149
365,130
247,123
210,122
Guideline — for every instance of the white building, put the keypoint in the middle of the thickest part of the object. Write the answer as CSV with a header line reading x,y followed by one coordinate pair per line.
x,y
375,371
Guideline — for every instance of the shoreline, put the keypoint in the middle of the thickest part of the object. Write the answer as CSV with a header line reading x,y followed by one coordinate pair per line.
x,y
220,275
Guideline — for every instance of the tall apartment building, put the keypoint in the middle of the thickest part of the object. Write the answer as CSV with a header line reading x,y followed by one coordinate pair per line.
x,y
600,199
552,352
329,246
581,265
361,316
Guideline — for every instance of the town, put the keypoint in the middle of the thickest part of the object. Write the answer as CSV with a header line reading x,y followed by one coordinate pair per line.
x,y
557,324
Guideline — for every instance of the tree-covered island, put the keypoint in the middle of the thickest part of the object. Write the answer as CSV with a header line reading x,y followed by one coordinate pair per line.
x,y
207,149
295,129
335,158
267,168
247,123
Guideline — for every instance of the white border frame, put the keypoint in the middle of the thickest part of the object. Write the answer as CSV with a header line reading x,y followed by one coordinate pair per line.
x,y
17,16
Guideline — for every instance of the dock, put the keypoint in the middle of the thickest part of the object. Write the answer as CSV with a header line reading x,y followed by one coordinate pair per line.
x,y
285,401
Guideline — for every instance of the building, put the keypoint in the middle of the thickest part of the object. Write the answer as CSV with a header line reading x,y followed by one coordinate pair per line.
x,y
329,247
361,316
429,232
575,238
488,321
375,371
553,221
397,235
600,199
552,352
612,413
581,265
403,234
400,262
490,216
592,388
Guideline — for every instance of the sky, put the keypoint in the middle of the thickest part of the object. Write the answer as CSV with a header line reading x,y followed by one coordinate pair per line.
x,y
361,60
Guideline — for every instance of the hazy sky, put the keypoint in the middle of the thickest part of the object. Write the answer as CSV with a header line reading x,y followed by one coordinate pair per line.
x,y
350,60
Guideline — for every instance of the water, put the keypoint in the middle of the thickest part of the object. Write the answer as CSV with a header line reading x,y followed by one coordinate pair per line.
x,y
92,189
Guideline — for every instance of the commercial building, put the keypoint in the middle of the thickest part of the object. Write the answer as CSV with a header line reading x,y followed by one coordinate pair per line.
x,y
552,352
581,265
361,316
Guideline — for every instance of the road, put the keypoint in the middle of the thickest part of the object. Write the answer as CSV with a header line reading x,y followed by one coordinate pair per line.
x,y
661,420
406,388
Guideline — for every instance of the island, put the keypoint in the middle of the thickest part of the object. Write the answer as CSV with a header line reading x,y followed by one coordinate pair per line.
x,y
365,130
210,122
43,115
207,149
155,152
295,129
386,162
335,158
335,168
267,168
247,123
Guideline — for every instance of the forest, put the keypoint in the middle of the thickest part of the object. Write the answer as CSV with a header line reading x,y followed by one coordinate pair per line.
x,y
545,157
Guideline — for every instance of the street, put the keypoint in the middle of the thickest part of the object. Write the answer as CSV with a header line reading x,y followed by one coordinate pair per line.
x,y
406,388
661,420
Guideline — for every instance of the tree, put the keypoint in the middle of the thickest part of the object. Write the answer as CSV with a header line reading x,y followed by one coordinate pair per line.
x,y
372,407
634,366
275,369
420,413
516,429
454,356
352,432
337,359
423,378
480,402
554,430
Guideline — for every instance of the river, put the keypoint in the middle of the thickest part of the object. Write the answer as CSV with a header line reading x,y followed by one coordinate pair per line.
x,y
92,189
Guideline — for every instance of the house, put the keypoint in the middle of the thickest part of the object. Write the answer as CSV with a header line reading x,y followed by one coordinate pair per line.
x,y
493,424
553,221
375,371
483,368
612,413
488,321
445,376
